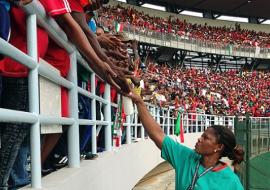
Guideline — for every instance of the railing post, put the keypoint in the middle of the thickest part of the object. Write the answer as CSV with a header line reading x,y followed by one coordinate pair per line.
x,y
142,128
173,123
73,130
188,131
128,130
107,112
248,153
268,135
164,118
93,111
34,102
142,132
168,120
259,135
154,113
197,117
135,122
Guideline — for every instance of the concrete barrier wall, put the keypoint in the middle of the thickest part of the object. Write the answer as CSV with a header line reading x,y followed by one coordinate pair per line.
x,y
119,169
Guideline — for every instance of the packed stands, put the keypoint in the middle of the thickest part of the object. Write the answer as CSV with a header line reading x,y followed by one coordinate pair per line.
x,y
219,35
203,91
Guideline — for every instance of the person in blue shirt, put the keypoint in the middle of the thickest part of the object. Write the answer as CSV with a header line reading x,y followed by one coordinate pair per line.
x,y
199,169
4,21
4,28
92,25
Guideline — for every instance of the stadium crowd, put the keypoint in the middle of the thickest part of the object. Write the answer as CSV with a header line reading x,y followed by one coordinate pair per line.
x,y
114,58
203,91
141,21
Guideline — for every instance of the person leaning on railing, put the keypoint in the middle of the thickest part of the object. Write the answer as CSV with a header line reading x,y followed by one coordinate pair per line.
x,y
71,17
15,87
81,37
4,29
201,168
80,10
14,95
4,21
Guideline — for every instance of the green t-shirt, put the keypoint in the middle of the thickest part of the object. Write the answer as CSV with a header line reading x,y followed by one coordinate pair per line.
x,y
83,74
184,161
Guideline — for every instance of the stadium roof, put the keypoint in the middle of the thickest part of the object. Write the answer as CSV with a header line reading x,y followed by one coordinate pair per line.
x,y
244,8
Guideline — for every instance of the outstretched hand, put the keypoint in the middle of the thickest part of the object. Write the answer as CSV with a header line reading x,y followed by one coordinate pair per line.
x,y
109,41
117,54
106,73
121,68
133,96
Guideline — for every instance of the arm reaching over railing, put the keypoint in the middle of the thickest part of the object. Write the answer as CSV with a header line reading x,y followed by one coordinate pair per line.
x,y
152,127
109,41
77,36
79,17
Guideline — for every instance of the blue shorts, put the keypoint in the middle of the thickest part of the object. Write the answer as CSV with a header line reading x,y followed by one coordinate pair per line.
x,y
4,22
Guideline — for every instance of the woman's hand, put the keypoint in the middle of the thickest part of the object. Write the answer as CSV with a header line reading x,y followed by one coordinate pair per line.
x,y
135,97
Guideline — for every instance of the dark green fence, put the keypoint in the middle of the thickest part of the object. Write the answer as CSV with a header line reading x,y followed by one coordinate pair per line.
x,y
254,135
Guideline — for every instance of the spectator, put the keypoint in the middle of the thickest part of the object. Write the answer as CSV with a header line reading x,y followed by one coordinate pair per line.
x,y
172,27
227,93
216,142
14,96
4,21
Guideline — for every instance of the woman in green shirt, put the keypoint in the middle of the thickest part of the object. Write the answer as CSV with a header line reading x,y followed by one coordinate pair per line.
x,y
199,169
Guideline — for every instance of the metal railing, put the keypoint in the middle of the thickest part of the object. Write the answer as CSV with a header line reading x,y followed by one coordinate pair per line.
x,y
253,133
134,129
189,43
258,127
260,135
194,122
36,14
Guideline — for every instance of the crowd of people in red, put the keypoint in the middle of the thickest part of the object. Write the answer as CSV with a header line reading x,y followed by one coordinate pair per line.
x,y
202,91
236,36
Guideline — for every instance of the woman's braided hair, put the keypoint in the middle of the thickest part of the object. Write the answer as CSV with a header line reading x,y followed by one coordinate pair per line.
x,y
231,150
